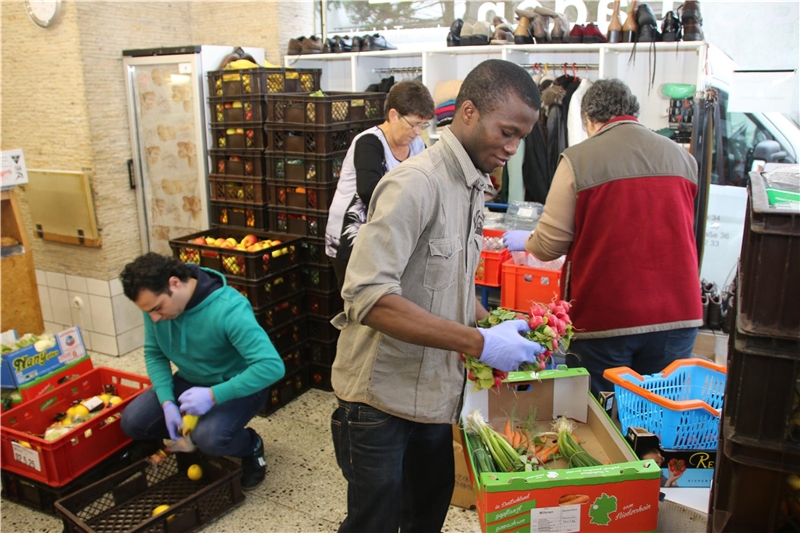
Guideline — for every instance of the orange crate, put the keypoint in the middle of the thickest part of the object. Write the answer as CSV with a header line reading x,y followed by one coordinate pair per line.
x,y
58,462
488,272
520,285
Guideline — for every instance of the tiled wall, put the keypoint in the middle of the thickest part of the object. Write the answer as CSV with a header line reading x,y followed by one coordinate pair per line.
x,y
111,324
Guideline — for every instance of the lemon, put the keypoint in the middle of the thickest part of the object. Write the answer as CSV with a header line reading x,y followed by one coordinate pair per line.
x,y
71,412
115,400
160,509
105,397
23,443
194,472
80,410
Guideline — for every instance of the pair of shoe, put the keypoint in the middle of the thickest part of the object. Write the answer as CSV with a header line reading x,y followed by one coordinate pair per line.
x,y
304,45
540,19
590,34
692,20
466,34
712,304
338,44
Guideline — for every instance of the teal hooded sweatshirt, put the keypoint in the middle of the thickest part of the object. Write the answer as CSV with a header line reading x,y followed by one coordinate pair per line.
x,y
216,344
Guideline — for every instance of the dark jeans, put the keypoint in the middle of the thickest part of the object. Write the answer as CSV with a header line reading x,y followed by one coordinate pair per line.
x,y
400,474
646,353
219,432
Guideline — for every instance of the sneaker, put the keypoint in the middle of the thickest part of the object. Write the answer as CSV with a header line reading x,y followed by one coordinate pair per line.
x,y
254,466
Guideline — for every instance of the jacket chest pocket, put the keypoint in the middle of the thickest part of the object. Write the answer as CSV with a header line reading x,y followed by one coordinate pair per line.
x,y
441,269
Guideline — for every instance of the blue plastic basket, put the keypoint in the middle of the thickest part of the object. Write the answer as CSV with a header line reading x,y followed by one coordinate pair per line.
x,y
681,404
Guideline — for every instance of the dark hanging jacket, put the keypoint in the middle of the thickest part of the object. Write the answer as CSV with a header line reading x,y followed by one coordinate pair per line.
x,y
556,127
536,177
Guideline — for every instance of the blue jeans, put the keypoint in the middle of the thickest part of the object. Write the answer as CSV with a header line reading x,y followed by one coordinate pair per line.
x,y
219,432
646,353
400,474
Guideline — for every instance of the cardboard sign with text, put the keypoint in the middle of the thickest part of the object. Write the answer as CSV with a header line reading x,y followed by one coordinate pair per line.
x,y
619,496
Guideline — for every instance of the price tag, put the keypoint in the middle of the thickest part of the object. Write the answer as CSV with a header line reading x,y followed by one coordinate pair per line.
x,y
525,212
26,456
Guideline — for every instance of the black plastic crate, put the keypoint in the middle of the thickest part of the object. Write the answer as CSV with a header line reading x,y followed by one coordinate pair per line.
x,y
277,314
333,108
268,290
301,194
238,136
125,501
295,358
285,390
747,498
306,222
321,353
768,275
242,163
260,81
313,251
289,335
762,396
321,329
319,277
320,377
308,168
249,191
42,497
226,110
239,215
252,265
305,139
324,304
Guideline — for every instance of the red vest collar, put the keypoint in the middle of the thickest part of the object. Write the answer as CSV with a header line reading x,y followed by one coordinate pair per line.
x,y
619,119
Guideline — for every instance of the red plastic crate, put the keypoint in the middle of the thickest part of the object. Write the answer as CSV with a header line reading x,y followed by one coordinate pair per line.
x,y
302,195
249,265
250,109
252,191
270,289
333,108
488,271
64,459
520,285
308,222
242,163
310,167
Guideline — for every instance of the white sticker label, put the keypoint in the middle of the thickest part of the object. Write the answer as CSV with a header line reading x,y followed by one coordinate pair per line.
x,y
184,68
26,456
566,519
525,212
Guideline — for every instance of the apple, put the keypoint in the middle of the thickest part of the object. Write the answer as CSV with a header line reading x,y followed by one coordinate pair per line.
x,y
253,248
210,241
241,246
249,240
219,242
231,241
276,242
199,240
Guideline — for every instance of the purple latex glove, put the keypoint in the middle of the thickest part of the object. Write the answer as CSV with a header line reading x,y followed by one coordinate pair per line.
x,y
505,349
514,240
173,419
196,401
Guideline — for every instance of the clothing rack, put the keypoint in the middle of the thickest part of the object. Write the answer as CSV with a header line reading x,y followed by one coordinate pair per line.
x,y
398,70
556,66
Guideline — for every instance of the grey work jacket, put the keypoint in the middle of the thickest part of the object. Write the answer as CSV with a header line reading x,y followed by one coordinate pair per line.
x,y
422,240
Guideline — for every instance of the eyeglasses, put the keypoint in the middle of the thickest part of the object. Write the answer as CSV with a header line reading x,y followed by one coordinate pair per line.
x,y
419,127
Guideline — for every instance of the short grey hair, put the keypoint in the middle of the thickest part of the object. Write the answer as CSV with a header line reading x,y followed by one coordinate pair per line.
x,y
607,99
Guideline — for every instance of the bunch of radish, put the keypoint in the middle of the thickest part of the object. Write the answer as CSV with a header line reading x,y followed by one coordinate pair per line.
x,y
550,326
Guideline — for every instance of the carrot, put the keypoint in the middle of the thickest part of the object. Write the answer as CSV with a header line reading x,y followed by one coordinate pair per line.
x,y
537,448
516,438
547,453
507,431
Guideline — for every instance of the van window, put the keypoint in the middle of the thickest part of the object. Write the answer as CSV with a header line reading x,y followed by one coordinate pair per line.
x,y
741,132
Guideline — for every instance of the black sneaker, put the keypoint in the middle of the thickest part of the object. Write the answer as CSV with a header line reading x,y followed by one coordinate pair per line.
x,y
254,466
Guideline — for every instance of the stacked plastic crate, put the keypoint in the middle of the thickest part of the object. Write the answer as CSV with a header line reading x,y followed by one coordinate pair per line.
x,y
307,138
756,484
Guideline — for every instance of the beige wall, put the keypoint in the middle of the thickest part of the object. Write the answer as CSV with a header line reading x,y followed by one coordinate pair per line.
x,y
63,97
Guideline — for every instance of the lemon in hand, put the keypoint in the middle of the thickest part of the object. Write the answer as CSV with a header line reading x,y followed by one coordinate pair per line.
x,y
194,472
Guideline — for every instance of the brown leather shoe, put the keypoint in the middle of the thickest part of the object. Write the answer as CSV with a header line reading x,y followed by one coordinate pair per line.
x,y
692,20
502,35
312,45
523,34
295,46
541,28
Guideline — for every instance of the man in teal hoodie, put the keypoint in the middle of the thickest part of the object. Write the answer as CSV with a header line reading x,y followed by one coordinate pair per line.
x,y
225,361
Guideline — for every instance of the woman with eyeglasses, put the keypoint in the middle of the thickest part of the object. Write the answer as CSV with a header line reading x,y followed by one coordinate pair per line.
x,y
373,153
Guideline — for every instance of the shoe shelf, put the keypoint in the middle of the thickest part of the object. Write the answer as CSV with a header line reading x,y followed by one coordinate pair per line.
x,y
674,62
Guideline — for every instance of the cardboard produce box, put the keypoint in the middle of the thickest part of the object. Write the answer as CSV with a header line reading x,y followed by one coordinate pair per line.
x,y
679,468
27,364
621,496
462,492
